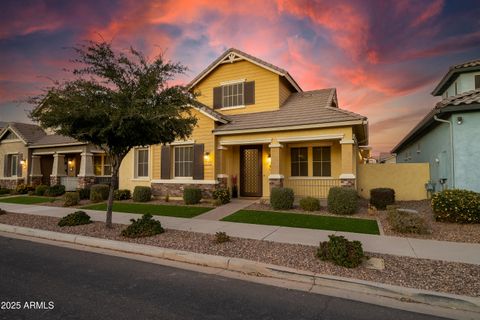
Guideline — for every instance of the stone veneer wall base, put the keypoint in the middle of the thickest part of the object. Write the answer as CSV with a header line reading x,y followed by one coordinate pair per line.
x,y
176,189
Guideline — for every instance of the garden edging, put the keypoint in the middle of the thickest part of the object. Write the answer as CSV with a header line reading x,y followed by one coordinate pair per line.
x,y
317,281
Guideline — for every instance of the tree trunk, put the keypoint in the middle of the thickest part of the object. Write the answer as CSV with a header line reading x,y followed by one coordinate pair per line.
x,y
113,184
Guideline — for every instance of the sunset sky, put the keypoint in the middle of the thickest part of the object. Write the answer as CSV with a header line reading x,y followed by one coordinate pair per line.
x,y
384,57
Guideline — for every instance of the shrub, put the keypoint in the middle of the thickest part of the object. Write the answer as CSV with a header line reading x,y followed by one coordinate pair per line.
x,y
221,237
281,198
75,219
41,189
341,251
222,194
142,194
4,191
310,204
342,200
84,193
99,192
456,205
406,222
24,189
122,194
146,226
380,198
192,195
71,199
2,211
55,191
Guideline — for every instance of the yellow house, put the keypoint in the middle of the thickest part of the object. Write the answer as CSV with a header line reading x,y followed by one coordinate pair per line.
x,y
257,128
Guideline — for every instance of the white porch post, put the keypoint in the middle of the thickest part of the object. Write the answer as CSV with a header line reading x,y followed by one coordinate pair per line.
x,y
58,169
347,178
86,176
36,171
222,176
276,177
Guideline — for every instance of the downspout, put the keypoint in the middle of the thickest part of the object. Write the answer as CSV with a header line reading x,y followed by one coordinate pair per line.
x,y
452,169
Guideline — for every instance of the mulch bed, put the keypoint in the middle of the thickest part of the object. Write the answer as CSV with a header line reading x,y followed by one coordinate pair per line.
x,y
456,278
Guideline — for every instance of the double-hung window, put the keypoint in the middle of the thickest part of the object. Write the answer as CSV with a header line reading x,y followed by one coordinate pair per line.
x,y
183,161
101,165
299,162
233,95
141,166
14,165
322,165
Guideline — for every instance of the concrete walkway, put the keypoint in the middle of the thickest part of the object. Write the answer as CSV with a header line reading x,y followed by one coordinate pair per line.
x,y
400,246
227,209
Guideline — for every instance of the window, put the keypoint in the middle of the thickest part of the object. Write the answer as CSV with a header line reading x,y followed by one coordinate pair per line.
x,y
322,165
232,95
477,82
14,165
101,165
183,161
141,166
456,88
299,162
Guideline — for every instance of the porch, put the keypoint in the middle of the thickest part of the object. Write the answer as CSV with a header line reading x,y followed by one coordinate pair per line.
x,y
310,165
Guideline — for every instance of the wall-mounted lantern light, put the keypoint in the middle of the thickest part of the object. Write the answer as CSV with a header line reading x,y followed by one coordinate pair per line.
x,y
206,156
459,120
269,159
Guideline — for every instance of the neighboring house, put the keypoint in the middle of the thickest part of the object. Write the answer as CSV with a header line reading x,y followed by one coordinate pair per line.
x,y
446,136
386,157
254,123
28,155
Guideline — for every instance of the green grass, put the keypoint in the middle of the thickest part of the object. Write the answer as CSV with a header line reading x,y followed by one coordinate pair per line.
x,y
154,209
26,200
297,220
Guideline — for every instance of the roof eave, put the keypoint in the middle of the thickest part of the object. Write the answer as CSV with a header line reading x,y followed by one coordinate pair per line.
x,y
451,75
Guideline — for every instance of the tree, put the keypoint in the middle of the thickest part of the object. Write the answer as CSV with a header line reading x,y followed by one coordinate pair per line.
x,y
117,101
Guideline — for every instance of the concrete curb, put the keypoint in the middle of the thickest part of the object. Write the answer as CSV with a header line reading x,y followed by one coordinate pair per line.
x,y
319,282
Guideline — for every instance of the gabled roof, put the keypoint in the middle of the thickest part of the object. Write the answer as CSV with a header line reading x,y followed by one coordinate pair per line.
x,y
55,140
28,133
453,73
300,109
209,112
467,101
232,55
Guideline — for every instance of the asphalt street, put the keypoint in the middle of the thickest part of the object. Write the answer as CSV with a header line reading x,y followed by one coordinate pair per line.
x,y
41,281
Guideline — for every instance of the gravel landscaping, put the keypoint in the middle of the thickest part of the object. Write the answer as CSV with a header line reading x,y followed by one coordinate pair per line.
x,y
442,231
425,274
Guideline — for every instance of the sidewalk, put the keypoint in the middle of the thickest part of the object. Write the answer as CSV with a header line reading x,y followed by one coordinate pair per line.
x,y
410,247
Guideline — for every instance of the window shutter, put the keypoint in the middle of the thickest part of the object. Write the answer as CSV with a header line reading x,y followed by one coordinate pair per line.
x,y
217,97
6,167
165,163
198,150
249,93
477,82
19,165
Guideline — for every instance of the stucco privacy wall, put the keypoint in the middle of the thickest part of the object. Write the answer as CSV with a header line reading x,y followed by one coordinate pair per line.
x,y
407,179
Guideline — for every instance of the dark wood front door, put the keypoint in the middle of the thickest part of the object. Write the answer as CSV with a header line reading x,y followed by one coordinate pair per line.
x,y
251,171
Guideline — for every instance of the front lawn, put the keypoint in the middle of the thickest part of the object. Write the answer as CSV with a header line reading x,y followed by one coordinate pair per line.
x,y
26,200
309,221
154,209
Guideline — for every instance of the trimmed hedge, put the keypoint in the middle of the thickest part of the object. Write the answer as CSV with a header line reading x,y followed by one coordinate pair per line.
x,y
281,198
146,226
380,198
221,194
192,195
142,194
55,191
122,194
310,204
4,191
456,205
99,192
75,219
342,200
341,251
24,188
41,189
71,199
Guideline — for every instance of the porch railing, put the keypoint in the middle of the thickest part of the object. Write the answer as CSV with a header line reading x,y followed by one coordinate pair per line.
x,y
103,180
317,188
70,183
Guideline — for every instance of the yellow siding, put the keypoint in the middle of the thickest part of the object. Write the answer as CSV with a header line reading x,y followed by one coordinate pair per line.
x,y
266,86
127,179
284,90
407,179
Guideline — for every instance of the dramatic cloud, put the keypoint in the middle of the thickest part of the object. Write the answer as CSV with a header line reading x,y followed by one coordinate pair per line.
x,y
383,57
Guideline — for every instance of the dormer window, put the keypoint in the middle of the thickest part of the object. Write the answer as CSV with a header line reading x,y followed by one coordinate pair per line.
x,y
234,94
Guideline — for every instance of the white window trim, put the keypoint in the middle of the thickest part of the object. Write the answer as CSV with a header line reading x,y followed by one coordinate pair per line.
x,y
233,108
135,164
182,177
236,95
225,83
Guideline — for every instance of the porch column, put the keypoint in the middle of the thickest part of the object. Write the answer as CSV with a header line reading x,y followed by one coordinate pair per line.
x,y
58,169
36,171
347,178
275,179
86,176
222,176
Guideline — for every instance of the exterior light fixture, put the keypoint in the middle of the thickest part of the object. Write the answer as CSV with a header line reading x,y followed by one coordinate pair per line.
x,y
459,120
269,159
207,156
22,162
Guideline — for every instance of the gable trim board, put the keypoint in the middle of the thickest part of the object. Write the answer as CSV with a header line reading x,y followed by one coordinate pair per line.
x,y
19,136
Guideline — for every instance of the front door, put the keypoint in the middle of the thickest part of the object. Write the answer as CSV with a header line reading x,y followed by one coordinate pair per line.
x,y
251,171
